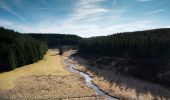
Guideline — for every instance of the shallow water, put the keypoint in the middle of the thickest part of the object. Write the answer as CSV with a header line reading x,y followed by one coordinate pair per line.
x,y
88,81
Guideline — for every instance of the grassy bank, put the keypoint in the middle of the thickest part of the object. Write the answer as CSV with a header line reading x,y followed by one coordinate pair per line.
x,y
118,85
45,66
46,79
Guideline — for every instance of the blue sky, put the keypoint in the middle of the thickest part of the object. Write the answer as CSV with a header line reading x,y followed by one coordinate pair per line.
x,y
84,17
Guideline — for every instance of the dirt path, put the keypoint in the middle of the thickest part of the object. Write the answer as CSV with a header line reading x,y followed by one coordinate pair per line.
x,y
46,79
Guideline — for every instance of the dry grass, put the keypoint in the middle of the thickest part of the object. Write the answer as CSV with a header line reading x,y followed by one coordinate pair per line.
x,y
51,64
126,92
48,87
124,87
127,88
46,79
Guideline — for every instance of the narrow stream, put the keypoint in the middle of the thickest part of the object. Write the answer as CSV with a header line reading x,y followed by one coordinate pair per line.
x,y
88,81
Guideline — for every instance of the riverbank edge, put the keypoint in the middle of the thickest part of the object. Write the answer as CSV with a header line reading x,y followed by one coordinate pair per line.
x,y
127,96
76,68
83,79
96,84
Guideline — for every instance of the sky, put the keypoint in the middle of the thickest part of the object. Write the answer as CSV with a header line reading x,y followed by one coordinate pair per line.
x,y
85,18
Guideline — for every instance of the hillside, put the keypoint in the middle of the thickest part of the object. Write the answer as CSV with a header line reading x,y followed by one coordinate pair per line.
x,y
54,40
18,50
44,79
141,54
150,44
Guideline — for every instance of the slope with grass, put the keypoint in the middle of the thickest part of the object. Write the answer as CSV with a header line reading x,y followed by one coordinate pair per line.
x,y
115,84
144,54
18,50
46,79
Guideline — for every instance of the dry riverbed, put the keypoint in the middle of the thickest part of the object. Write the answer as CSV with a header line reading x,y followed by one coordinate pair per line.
x,y
123,87
46,79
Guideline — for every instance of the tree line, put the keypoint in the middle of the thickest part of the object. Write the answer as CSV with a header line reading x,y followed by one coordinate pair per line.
x,y
144,54
150,44
55,40
17,49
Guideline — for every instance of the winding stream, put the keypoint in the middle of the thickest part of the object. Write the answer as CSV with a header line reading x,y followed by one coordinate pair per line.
x,y
88,81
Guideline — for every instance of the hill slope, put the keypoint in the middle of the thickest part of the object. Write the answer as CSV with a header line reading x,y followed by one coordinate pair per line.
x,y
142,54
150,44
54,40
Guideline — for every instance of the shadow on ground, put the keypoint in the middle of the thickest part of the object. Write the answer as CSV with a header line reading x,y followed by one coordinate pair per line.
x,y
125,82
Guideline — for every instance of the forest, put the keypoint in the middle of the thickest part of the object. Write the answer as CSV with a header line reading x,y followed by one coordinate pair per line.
x,y
17,49
55,40
150,44
144,54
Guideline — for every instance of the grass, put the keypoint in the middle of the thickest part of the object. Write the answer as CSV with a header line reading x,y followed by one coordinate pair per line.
x,y
45,66
46,79
121,86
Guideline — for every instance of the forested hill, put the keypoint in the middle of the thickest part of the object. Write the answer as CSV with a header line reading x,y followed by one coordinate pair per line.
x,y
150,44
17,50
142,54
54,40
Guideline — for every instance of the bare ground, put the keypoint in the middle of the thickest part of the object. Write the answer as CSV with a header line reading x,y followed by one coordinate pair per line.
x,y
46,79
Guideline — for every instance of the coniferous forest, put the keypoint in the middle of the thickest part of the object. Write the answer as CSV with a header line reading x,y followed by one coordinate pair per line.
x,y
151,44
85,49
17,50
144,54
54,40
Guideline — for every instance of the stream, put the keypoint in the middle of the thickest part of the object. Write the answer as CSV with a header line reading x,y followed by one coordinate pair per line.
x,y
88,81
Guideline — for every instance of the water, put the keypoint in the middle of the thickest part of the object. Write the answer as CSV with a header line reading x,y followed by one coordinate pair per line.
x,y
88,81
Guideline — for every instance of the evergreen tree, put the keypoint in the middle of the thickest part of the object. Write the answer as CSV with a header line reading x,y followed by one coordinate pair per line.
x,y
55,40
60,50
145,54
17,49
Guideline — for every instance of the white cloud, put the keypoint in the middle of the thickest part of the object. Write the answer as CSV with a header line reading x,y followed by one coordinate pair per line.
x,y
136,26
86,30
5,23
53,8
83,21
143,0
167,26
4,6
88,12
86,9
155,11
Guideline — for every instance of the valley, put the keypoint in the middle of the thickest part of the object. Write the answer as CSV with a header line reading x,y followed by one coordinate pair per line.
x,y
46,79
